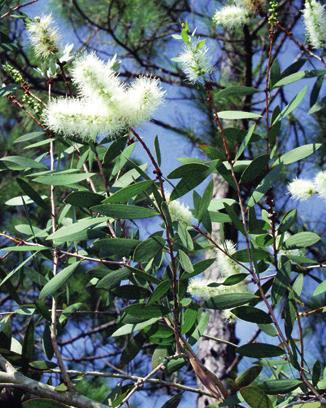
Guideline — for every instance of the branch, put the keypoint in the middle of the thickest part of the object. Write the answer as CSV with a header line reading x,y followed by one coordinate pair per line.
x,y
10,377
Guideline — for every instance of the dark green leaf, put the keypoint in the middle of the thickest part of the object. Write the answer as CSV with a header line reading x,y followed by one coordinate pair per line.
x,y
113,278
274,387
255,397
62,179
125,194
55,284
260,350
83,199
247,377
229,300
124,212
302,240
252,314
116,246
173,402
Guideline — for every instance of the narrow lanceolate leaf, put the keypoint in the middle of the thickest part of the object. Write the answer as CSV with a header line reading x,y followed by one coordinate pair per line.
x,y
32,194
125,194
247,377
56,283
292,105
290,79
229,300
245,141
173,402
124,212
298,153
252,314
255,397
321,288
84,199
116,246
62,179
260,350
21,163
274,387
237,115
113,278
302,240
73,232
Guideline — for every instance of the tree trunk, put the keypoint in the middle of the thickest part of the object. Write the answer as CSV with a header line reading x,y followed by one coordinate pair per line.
x,y
216,356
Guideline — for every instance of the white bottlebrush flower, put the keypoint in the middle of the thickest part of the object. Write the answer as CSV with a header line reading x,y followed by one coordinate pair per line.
x,y
81,119
314,15
44,36
320,183
96,79
205,289
178,211
142,98
301,189
194,61
225,264
231,17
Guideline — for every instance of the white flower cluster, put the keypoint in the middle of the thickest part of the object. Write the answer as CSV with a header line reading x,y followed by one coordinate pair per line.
x,y
302,189
314,15
44,36
105,105
194,61
206,289
231,17
178,211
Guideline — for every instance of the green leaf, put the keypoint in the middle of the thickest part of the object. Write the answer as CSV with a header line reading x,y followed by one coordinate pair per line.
x,y
159,355
255,397
145,311
237,91
55,284
148,249
124,212
84,199
77,231
125,194
260,350
116,246
247,377
264,186
256,169
62,179
188,170
28,344
32,194
237,115
245,141
28,136
302,240
297,154
113,278
274,387
229,300
185,236
130,328
173,402
292,105
21,163
185,262
321,288
161,289
252,314
289,79
157,150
